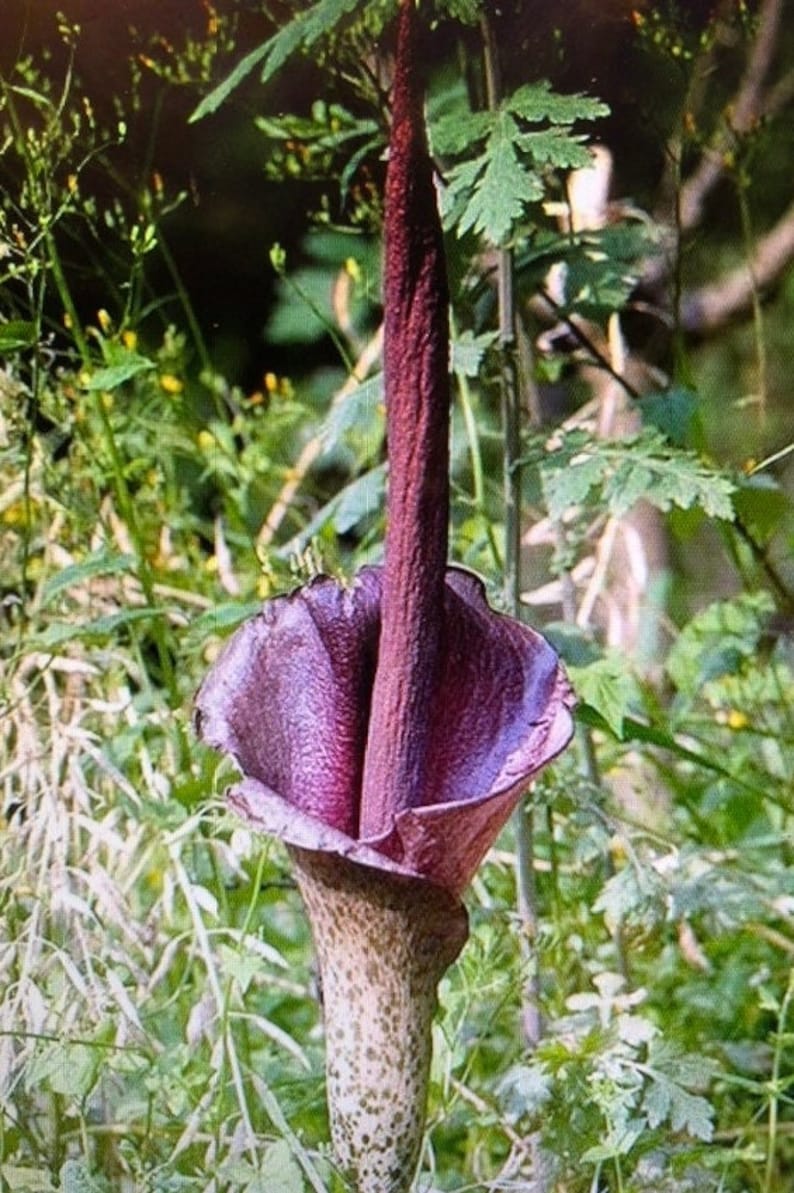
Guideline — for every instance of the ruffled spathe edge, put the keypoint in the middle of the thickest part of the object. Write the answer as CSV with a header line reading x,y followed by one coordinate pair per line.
x,y
288,699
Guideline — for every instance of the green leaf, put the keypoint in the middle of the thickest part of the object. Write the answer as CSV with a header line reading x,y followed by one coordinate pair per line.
x,y
618,1142
99,563
76,1177
68,1069
280,1170
608,687
675,413
357,422
636,893
504,185
458,132
524,1090
359,500
556,148
94,631
718,640
354,504
468,351
762,505
116,375
224,617
666,1100
536,101
16,334
302,32
619,473
20,1178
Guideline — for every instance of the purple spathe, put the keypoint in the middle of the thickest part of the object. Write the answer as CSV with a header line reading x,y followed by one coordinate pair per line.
x,y
289,699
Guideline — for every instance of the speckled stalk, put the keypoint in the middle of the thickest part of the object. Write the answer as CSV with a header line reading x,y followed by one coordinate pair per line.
x,y
383,943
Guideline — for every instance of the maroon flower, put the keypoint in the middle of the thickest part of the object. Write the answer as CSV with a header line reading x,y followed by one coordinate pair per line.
x,y
386,729
290,697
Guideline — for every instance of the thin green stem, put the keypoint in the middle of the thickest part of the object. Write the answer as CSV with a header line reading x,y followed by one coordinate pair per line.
x,y
477,471
512,477
187,306
774,1086
758,314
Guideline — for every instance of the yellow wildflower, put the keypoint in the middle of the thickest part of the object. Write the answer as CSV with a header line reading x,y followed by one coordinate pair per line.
x,y
171,384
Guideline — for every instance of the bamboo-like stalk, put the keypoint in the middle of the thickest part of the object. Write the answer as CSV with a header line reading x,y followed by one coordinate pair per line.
x,y
383,943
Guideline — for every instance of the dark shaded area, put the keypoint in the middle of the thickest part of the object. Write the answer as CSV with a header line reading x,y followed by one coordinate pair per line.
x,y
221,234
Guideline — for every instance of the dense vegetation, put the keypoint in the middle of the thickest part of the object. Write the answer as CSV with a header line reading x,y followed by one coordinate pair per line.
x,y
621,1017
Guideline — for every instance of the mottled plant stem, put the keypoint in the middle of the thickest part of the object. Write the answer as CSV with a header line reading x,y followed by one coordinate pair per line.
x,y
383,943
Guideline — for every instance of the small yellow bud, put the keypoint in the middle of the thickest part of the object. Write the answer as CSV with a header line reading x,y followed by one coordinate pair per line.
x,y
271,383
130,340
107,400
737,719
205,440
103,319
170,383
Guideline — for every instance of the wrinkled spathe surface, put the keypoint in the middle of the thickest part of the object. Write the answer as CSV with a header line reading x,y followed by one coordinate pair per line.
x,y
289,699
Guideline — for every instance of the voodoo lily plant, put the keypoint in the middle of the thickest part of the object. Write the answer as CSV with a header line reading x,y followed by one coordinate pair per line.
x,y
386,728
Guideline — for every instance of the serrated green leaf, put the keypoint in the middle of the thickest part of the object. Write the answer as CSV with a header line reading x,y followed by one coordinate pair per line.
x,y
717,640
302,32
608,687
536,101
568,485
626,471
635,893
504,186
665,1100
555,147
468,351
459,132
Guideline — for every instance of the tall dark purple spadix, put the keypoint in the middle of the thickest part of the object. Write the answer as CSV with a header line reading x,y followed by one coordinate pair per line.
x,y
416,374
385,729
